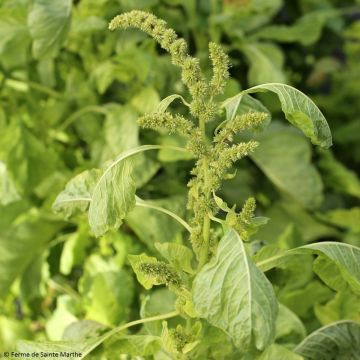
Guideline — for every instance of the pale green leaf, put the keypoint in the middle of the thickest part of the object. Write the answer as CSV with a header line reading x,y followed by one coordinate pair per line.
x,y
20,243
344,218
113,197
76,196
278,352
285,157
288,325
230,292
338,176
300,111
49,23
306,30
264,66
8,191
165,103
140,345
345,305
177,255
339,340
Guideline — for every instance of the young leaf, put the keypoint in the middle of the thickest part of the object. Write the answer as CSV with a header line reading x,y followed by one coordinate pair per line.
x,y
233,294
289,167
135,261
113,197
340,340
300,111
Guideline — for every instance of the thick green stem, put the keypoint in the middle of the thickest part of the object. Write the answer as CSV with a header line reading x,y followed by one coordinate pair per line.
x,y
204,252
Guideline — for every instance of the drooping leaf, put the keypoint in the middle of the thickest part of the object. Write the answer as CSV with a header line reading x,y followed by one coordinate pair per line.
x,y
113,197
230,292
339,340
285,157
300,111
49,23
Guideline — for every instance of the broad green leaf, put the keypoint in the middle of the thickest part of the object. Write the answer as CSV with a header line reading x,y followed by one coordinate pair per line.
x,y
74,250
76,196
264,63
345,305
329,273
230,292
8,192
28,160
279,352
306,30
20,243
285,157
158,227
140,345
61,317
15,38
111,296
339,340
113,197
302,300
84,347
344,218
10,331
346,257
159,301
49,23
288,326
300,111
283,213
146,101
177,255
338,176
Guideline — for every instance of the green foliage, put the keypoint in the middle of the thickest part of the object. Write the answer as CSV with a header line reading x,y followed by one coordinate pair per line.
x,y
243,263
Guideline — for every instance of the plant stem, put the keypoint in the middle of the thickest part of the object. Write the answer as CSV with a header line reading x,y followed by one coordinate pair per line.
x,y
126,326
206,221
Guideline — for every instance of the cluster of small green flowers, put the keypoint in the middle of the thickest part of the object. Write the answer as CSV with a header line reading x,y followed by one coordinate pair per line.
x,y
241,222
220,62
251,120
165,120
162,273
180,337
167,38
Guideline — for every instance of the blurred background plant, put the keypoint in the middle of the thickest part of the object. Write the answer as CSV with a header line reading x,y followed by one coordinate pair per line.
x,y
70,94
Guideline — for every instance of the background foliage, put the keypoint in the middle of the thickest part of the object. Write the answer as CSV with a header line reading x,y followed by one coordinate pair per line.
x,y
71,92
